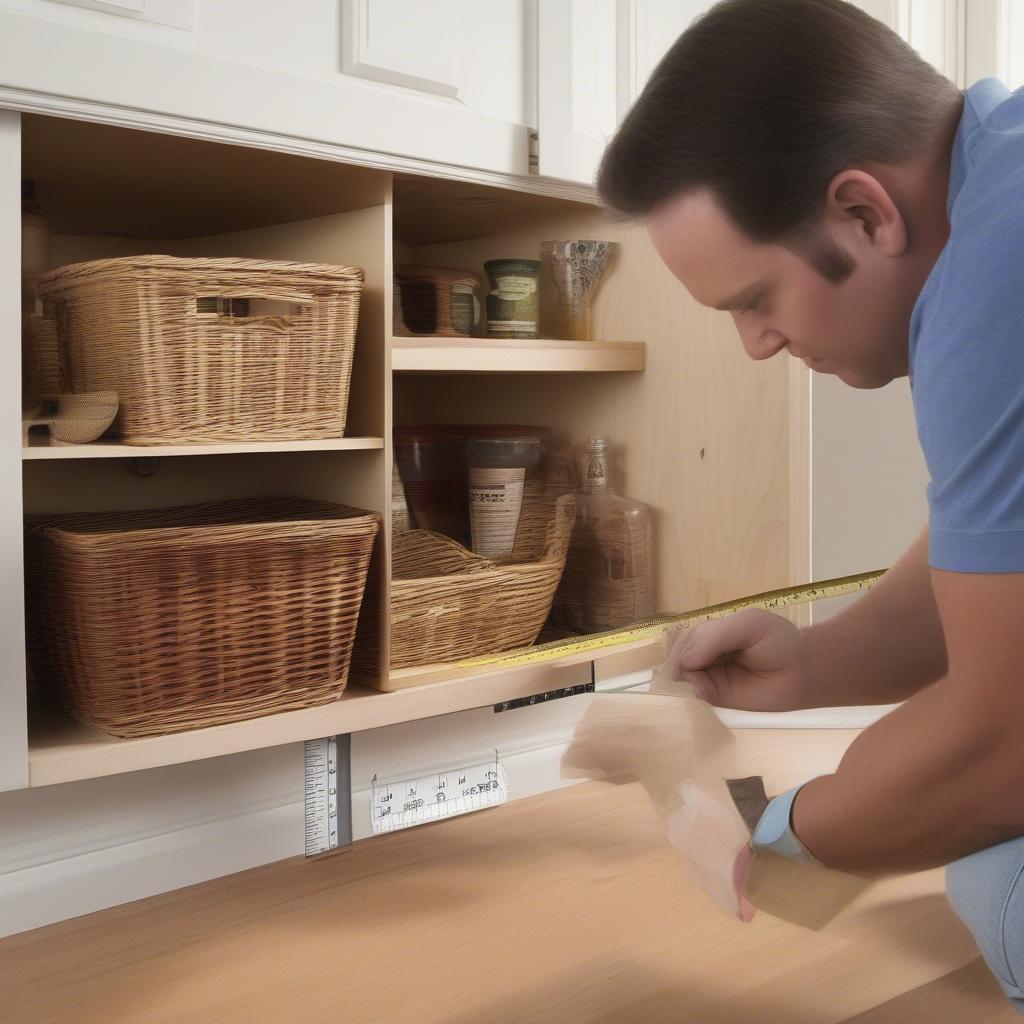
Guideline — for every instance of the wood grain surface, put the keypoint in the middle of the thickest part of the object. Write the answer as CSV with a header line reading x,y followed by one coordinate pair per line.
x,y
568,907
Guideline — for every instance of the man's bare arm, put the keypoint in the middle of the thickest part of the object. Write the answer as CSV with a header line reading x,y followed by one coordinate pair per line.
x,y
941,776
884,647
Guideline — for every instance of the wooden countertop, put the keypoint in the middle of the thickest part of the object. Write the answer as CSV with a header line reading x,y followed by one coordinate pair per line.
x,y
563,908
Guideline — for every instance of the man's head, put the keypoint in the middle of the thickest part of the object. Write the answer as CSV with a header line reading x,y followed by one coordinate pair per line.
x,y
790,158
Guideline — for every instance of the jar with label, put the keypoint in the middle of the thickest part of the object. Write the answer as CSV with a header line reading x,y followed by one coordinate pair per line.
x,y
512,303
609,572
431,466
497,475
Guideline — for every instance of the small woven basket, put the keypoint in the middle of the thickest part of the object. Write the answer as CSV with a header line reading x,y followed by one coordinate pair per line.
x,y
203,350
436,301
152,622
448,604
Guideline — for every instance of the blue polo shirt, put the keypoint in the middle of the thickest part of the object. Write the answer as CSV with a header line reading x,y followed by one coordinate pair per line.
x,y
967,346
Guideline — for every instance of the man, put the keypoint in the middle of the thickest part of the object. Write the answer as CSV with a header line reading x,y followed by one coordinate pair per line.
x,y
800,166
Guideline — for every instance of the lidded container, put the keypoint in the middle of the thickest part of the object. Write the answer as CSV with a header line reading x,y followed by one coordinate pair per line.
x,y
497,477
431,464
609,574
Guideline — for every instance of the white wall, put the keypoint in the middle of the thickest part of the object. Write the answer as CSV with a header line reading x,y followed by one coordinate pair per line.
x,y
868,479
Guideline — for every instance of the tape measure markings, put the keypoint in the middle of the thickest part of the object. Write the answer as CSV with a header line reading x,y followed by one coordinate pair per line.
x,y
649,628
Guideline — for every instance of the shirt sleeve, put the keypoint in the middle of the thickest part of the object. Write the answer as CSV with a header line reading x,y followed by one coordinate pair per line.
x,y
968,387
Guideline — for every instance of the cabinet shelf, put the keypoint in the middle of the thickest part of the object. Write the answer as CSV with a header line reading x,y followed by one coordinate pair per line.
x,y
106,450
63,750
487,355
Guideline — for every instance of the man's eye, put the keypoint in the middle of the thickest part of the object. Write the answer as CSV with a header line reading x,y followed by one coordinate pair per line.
x,y
755,304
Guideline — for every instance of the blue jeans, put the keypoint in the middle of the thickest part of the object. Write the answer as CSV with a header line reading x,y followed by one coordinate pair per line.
x,y
987,891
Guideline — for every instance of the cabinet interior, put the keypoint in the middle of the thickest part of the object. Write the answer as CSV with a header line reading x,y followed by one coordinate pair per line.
x,y
703,436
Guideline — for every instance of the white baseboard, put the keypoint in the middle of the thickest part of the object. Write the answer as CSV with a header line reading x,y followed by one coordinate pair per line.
x,y
86,882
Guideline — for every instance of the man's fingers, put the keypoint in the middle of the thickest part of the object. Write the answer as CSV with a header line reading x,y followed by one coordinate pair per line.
x,y
709,643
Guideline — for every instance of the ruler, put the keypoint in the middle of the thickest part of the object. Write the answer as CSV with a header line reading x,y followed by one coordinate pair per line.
x,y
398,805
771,600
326,792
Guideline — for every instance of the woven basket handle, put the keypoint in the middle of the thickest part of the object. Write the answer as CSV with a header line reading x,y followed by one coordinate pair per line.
x,y
228,303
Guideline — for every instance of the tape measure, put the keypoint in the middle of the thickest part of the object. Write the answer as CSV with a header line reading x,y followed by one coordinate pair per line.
x,y
771,600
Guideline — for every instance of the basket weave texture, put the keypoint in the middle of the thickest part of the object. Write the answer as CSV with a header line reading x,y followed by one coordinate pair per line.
x,y
195,353
152,622
448,604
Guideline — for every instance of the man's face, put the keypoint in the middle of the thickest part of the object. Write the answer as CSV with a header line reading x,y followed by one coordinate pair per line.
x,y
857,330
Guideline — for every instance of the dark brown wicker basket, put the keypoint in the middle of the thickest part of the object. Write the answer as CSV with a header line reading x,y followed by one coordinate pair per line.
x,y
144,623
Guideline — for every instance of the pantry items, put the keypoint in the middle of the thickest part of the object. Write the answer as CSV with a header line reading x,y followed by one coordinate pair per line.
x,y
576,266
432,467
512,302
202,350
497,475
436,301
609,574
156,621
448,603
69,419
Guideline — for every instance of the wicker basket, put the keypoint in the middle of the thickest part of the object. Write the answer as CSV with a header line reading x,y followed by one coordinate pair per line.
x,y
144,623
203,350
447,603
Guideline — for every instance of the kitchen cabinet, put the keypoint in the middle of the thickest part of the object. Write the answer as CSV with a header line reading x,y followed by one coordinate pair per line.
x,y
449,82
712,442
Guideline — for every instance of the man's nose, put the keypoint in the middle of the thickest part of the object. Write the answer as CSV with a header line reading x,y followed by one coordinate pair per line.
x,y
761,344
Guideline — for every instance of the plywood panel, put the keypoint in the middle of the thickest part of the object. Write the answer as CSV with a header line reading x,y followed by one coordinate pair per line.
x,y
96,179
703,435
13,751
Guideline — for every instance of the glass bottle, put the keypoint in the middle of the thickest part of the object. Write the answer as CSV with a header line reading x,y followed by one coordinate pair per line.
x,y
609,572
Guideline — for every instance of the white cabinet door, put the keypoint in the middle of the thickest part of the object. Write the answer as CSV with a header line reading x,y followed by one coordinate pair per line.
x,y
450,81
593,59
579,84
13,726
994,44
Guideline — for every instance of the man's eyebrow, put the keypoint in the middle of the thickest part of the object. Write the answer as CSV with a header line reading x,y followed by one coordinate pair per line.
x,y
741,299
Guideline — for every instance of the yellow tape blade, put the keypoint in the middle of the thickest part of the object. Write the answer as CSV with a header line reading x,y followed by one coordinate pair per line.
x,y
771,600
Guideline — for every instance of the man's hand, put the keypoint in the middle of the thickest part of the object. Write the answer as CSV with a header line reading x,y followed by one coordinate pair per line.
x,y
715,841
752,661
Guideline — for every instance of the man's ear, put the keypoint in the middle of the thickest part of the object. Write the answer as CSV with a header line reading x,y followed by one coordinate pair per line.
x,y
862,207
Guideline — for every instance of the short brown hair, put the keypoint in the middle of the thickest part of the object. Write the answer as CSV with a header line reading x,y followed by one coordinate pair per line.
x,y
763,102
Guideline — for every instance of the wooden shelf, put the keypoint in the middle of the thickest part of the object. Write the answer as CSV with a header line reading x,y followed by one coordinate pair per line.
x,y
63,750
486,355
103,450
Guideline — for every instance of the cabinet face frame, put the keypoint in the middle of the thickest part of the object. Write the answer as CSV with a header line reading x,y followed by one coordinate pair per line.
x,y
13,703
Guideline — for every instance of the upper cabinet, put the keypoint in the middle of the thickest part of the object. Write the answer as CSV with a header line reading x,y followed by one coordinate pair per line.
x,y
453,82
450,81
595,56
593,60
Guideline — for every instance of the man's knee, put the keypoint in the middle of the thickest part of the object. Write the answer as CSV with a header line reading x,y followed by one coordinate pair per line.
x,y
987,891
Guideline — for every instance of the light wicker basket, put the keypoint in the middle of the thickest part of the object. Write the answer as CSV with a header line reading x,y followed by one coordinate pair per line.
x,y
144,623
203,350
448,604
